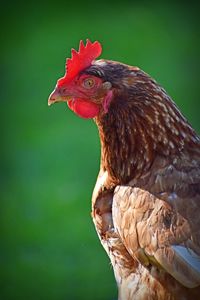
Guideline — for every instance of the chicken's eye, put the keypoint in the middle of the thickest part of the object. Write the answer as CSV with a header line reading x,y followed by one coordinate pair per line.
x,y
88,83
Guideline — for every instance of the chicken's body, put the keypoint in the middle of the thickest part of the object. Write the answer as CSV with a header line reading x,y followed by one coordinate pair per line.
x,y
123,218
153,206
146,202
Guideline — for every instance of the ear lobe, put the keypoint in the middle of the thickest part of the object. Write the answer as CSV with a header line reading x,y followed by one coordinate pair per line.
x,y
107,85
107,100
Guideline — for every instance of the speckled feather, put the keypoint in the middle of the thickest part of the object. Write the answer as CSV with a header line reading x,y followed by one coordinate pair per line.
x,y
147,198
146,202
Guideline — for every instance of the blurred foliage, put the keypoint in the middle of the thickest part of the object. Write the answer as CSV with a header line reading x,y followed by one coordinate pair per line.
x,y
50,157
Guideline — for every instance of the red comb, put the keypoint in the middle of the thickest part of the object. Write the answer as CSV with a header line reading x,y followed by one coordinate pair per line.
x,y
81,59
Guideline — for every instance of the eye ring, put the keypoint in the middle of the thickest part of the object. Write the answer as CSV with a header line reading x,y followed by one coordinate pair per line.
x,y
88,83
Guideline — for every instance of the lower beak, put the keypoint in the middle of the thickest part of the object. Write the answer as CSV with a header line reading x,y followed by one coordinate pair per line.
x,y
57,97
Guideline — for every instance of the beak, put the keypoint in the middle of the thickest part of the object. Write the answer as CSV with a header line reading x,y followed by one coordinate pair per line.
x,y
56,96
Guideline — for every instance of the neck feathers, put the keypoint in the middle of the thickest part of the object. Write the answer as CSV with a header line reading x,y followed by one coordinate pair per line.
x,y
141,124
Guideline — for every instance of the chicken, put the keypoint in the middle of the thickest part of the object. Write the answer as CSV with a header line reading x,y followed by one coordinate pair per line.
x,y
146,202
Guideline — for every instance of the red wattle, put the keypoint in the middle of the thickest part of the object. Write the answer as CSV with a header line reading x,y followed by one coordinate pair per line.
x,y
84,109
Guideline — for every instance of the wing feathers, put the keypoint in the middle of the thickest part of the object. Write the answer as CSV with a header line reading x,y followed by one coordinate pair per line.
x,y
179,265
147,223
189,256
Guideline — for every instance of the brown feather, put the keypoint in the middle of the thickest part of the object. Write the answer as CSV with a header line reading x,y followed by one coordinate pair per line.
x,y
146,202
148,146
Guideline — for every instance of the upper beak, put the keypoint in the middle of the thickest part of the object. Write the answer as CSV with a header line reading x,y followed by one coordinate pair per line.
x,y
56,96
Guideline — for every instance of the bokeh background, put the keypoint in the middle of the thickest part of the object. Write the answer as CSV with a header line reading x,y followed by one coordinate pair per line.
x,y
50,157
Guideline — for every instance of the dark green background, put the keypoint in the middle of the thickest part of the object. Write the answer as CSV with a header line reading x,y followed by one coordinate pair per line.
x,y
50,157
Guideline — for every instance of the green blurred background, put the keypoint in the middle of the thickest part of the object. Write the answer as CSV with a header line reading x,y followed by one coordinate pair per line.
x,y
50,157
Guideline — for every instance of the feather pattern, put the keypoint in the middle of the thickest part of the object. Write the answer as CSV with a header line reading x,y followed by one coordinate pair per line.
x,y
151,157
146,202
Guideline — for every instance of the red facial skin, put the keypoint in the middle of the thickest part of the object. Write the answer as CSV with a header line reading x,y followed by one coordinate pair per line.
x,y
86,95
84,108
83,89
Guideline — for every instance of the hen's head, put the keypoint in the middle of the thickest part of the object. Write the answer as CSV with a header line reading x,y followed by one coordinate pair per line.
x,y
88,84
137,120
